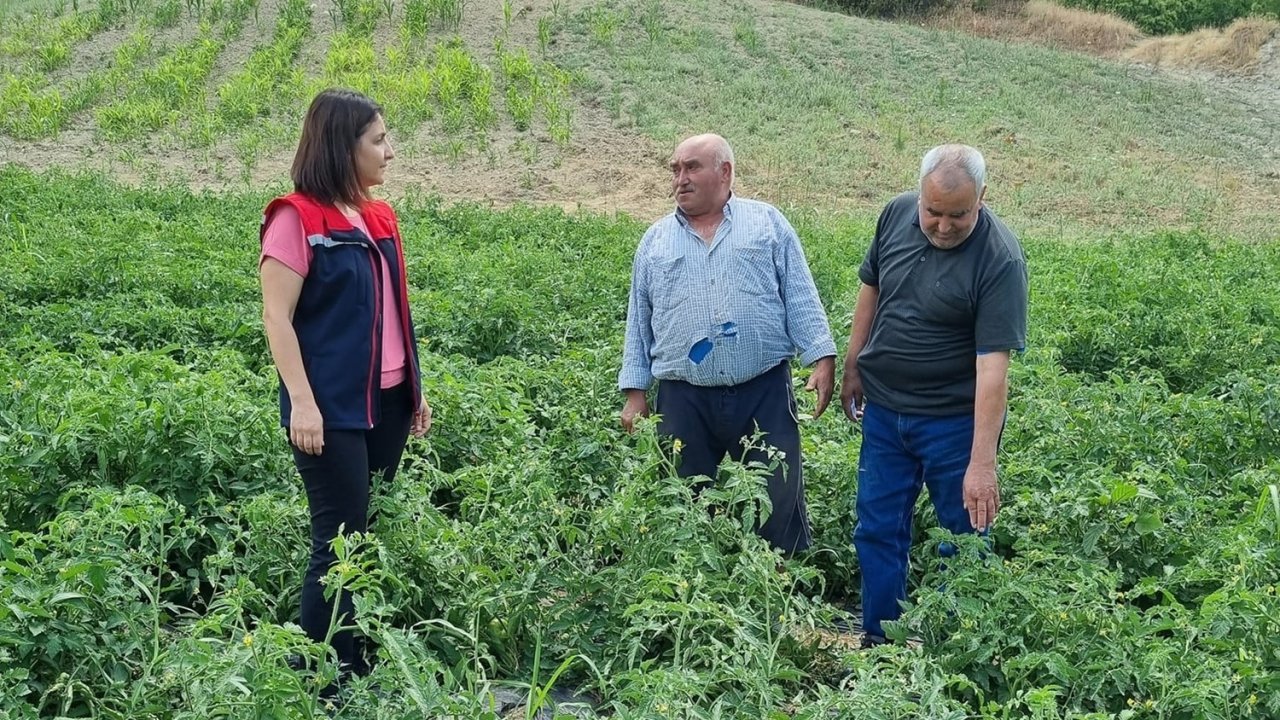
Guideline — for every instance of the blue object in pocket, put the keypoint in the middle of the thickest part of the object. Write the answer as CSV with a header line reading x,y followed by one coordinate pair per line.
x,y
703,347
700,350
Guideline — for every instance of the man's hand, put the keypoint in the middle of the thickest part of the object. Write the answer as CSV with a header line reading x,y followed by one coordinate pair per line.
x,y
864,314
306,427
421,419
851,397
981,495
635,406
823,380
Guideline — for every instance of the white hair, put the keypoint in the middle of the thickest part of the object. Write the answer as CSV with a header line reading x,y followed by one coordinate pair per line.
x,y
724,154
955,157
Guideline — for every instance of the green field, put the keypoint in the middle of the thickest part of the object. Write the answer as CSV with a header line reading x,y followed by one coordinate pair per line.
x,y
156,531
153,531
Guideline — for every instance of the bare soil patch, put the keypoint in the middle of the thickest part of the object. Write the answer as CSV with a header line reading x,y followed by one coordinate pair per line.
x,y
602,170
605,167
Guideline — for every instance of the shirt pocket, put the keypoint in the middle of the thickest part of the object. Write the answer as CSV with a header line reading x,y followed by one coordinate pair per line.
x,y
668,285
753,266
950,304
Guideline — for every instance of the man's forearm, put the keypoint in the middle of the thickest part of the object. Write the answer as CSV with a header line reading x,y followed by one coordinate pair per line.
x,y
990,403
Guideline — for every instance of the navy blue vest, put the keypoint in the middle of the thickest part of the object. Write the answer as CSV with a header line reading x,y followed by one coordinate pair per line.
x,y
338,319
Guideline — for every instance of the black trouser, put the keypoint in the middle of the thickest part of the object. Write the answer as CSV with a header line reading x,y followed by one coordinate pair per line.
x,y
713,421
337,482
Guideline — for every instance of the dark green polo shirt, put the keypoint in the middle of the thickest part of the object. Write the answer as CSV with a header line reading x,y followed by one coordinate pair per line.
x,y
939,309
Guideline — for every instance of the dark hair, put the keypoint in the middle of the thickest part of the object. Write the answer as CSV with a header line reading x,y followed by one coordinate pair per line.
x,y
324,166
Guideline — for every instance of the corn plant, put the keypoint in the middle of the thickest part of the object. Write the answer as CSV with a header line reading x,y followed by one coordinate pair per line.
x,y
46,43
29,109
420,16
448,12
158,97
358,16
557,104
349,63
604,24
417,19
522,87
167,13
405,88
544,34
463,89
268,79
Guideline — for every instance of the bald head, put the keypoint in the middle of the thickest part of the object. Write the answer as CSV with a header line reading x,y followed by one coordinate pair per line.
x,y
712,143
702,171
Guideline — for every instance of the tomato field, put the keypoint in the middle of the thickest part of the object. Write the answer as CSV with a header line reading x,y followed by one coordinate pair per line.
x,y
153,530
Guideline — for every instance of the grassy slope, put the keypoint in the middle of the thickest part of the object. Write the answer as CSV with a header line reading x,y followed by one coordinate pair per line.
x,y
831,112
826,109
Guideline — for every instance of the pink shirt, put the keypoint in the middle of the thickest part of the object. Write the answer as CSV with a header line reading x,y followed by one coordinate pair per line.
x,y
284,241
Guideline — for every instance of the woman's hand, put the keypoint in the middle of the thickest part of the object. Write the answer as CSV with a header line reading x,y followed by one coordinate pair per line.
x,y
421,419
306,427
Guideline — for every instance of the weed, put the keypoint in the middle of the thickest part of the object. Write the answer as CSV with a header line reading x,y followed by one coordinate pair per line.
x,y
745,33
652,13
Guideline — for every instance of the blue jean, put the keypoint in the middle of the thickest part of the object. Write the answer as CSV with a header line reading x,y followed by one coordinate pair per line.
x,y
900,454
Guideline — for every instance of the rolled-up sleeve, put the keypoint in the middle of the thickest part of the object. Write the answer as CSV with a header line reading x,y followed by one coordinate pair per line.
x,y
805,318
637,370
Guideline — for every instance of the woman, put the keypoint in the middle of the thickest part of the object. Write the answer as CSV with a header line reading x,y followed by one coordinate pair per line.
x,y
336,310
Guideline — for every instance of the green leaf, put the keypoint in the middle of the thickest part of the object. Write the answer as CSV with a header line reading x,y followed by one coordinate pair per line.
x,y
1148,522
1123,492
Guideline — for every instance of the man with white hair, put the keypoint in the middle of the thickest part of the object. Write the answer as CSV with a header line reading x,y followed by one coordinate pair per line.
x,y
721,301
943,302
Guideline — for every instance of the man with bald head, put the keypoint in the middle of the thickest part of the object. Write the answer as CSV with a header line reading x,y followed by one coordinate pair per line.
x,y
721,301
943,302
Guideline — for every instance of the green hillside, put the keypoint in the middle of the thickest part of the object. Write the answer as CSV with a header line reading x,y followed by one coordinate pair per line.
x,y
514,101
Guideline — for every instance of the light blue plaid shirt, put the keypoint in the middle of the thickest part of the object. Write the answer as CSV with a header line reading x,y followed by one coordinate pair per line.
x,y
721,314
